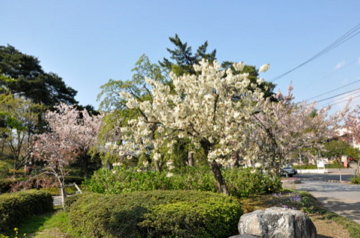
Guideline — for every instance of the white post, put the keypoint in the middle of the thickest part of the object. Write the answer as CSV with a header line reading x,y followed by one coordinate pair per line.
x,y
77,187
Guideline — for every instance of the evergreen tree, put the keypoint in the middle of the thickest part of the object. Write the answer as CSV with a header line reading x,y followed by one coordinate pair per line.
x,y
184,58
30,80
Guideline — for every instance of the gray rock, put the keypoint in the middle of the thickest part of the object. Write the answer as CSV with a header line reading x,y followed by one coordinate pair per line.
x,y
245,236
276,222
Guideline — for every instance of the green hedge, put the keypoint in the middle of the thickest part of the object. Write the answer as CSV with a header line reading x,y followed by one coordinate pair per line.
x,y
327,166
15,207
356,179
5,185
241,182
155,214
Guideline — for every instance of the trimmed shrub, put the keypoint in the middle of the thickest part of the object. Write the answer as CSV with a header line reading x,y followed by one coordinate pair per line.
x,y
245,182
355,179
70,200
241,182
155,214
328,166
74,179
5,185
4,168
15,207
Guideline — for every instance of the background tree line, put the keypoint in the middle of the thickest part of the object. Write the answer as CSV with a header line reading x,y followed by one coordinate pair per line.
x,y
30,137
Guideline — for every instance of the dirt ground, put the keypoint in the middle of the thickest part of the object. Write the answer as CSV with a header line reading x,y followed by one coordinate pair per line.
x,y
328,228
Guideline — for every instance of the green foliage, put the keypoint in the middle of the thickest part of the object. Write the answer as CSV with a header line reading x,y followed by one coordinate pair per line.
x,y
155,214
15,207
15,232
241,182
109,96
184,58
55,191
30,79
183,219
4,169
19,118
121,180
245,182
336,148
51,224
312,205
6,183
356,179
328,166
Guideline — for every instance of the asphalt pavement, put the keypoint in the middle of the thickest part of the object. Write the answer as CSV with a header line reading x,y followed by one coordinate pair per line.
x,y
334,190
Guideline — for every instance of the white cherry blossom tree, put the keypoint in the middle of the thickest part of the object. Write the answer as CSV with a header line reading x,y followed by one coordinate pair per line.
x,y
224,114
212,109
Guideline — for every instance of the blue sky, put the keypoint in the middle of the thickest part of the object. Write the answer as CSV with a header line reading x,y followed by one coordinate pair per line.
x,y
88,42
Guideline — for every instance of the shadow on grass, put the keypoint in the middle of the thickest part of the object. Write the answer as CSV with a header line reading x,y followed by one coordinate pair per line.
x,y
32,224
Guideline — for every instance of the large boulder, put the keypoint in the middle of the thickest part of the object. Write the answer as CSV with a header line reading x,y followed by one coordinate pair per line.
x,y
244,236
276,222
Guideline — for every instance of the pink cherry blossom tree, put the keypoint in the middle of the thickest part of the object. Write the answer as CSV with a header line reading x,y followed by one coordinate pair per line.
x,y
290,129
352,125
71,134
352,128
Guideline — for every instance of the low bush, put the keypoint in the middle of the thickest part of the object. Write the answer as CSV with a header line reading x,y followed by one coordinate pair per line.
x,y
70,200
155,214
245,182
4,168
55,191
355,179
74,179
327,166
241,182
7,183
15,207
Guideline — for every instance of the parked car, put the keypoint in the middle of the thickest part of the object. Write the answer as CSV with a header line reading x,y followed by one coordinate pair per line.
x,y
288,171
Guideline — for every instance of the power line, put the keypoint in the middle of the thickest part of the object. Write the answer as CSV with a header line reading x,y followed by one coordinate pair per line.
x,y
344,97
326,76
327,105
333,90
341,94
347,36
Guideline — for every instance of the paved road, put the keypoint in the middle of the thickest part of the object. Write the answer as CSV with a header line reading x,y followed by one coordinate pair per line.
x,y
344,199
332,175
341,198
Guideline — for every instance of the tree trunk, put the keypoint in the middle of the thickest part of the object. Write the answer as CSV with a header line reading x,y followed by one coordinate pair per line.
x,y
61,182
63,195
190,158
221,184
109,165
84,161
157,166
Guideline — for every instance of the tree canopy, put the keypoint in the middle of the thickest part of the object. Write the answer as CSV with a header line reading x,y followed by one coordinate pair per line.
x,y
31,81
225,115
184,58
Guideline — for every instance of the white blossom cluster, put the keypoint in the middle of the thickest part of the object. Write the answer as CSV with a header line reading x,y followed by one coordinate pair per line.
x,y
224,114
213,108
